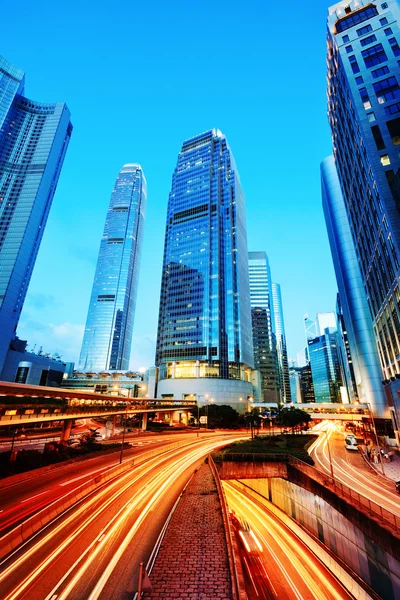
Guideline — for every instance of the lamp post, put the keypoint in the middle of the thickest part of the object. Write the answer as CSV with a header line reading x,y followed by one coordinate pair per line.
x,y
329,454
123,433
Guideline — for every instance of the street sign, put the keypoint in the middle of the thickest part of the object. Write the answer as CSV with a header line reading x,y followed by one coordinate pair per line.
x,y
203,419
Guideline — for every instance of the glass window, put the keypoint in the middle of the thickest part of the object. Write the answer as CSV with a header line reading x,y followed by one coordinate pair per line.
x,y
364,30
345,39
393,109
368,40
371,117
384,6
354,64
394,130
387,89
376,132
380,72
356,17
395,46
383,21
349,49
359,80
388,31
374,55
385,160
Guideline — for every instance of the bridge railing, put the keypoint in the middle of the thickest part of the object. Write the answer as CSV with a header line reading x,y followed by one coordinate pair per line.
x,y
389,519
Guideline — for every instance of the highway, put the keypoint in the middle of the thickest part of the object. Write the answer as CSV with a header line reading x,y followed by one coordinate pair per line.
x,y
93,550
22,499
278,565
349,468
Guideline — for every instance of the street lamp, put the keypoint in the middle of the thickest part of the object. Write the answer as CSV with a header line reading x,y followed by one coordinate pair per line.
x,y
329,453
198,409
123,433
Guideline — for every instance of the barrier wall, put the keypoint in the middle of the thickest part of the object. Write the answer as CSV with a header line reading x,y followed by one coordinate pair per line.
x,y
375,565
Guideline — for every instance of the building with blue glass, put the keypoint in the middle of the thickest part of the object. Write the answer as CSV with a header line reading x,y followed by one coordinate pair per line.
x,y
263,326
281,348
108,333
204,341
364,115
34,138
357,321
325,366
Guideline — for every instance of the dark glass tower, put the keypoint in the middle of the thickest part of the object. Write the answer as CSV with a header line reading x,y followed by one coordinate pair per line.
x,y
109,327
33,141
204,327
263,324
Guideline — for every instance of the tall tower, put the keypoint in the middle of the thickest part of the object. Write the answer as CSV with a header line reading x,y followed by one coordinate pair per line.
x,y
356,314
263,325
108,334
281,348
364,114
33,141
204,341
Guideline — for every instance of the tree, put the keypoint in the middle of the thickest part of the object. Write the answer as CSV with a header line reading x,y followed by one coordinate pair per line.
x,y
220,415
88,441
293,417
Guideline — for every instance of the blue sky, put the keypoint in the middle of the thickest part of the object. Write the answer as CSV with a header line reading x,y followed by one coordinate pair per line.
x,y
139,78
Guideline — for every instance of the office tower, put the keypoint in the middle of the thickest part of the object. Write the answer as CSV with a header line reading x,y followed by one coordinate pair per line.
x,y
364,115
263,326
294,378
306,384
108,333
325,367
281,348
324,320
204,342
353,299
344,352
34,137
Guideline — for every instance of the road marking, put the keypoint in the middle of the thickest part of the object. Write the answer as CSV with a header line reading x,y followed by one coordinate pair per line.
x,y
101,537
32,497
54,597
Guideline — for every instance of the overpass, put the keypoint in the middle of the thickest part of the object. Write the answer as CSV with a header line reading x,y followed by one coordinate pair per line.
x,y
27,404
322,410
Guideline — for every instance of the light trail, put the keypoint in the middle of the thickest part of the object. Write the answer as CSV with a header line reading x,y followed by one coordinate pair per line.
x,y
313,575
351,476
104,540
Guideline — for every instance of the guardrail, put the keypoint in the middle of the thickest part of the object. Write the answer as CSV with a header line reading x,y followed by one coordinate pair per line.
x,y
389,519
364,504
228,532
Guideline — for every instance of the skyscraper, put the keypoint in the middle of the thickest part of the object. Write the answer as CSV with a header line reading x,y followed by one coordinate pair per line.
x,y
353,299
263,326
108,334
281,348
33,141
364,115
325,367
204,341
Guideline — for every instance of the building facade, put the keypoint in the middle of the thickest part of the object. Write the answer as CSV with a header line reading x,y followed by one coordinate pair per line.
x,y
325,366
263,326
204,341
364,115
34,138
108,333
281,348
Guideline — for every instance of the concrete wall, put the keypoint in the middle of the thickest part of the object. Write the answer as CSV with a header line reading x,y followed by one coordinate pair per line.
x,y
377,567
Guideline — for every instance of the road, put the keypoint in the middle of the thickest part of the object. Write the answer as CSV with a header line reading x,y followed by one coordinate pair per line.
x,y
93,550
20,500
279,565
349,468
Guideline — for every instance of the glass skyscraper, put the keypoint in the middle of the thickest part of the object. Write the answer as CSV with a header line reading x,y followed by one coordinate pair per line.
x,y
108,334
325,366
357,321
281,348
364,115
34,137
263,325
204,327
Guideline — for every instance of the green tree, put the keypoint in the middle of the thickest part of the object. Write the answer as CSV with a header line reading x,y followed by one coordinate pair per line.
x,y
88,441
293,417
221,416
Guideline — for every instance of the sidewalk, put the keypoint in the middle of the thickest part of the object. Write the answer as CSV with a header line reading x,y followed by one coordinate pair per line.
x,y
392,469
193,559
